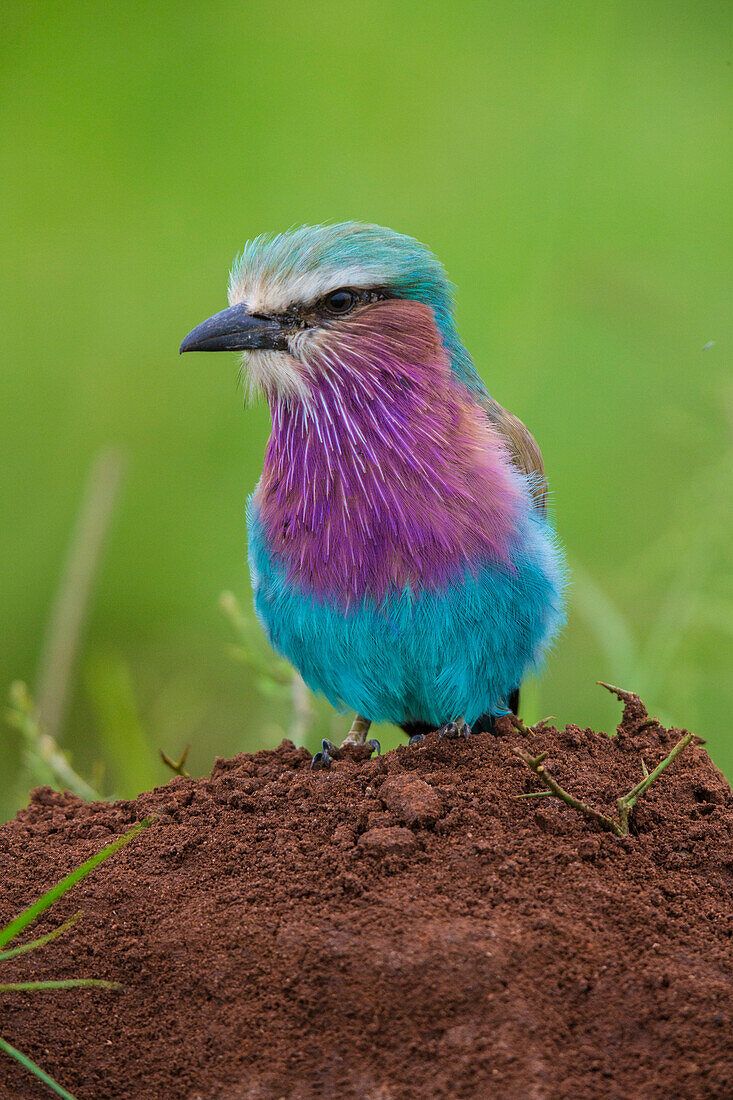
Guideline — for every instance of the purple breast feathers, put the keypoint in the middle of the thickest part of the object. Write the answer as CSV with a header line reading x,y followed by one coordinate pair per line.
x,y
389,475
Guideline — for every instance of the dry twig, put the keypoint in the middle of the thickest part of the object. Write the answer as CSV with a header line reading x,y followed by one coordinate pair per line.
x,y
536,765
621,694
625,803
176,766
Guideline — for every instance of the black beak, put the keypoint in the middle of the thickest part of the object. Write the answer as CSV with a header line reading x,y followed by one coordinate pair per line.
x,y
235,329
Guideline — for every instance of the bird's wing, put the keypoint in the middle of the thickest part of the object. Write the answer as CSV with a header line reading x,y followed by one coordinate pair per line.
x,y
523,449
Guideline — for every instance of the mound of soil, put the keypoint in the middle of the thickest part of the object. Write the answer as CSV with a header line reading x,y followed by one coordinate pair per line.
x,y
393,928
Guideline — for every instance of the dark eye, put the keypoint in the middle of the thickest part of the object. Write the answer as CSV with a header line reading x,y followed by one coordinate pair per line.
x,y
340,301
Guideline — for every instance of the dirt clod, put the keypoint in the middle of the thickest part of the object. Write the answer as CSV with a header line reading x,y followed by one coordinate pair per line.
x,y
389,839
411,799
389,928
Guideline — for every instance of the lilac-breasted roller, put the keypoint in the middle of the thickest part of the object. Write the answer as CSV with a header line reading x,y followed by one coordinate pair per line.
x,y
399,547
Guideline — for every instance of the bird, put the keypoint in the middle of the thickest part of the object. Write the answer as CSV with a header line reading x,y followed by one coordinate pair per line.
x,y
400,551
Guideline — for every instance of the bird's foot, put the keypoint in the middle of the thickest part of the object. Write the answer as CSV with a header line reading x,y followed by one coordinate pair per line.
x,y
323,759
454,730
330,752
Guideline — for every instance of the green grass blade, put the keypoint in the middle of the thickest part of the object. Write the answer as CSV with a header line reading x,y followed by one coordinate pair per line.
x,y
66,983
609,628
11,930
13,951
111,693
35,1070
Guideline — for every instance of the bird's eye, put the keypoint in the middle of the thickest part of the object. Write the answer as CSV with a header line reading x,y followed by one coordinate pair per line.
x,y
340,301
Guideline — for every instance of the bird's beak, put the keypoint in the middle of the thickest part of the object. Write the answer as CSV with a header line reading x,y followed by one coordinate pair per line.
x,y
235,329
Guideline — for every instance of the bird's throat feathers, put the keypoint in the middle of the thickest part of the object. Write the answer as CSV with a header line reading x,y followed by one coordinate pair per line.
x,y
387,475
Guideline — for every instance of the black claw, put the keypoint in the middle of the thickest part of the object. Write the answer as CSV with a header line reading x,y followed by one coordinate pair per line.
x,y
375,746
416,739
325,757
454,730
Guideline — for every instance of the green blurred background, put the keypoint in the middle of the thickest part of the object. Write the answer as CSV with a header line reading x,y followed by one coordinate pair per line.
x,y
569,163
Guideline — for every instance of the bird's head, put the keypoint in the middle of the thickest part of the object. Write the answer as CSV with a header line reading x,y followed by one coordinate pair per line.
x,y
302,295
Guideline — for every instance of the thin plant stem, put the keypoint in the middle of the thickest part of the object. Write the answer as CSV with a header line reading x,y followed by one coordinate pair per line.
x,y
40,746
66,622
33,944
625,804
65,983
620,693
176,766
31,1066
535,763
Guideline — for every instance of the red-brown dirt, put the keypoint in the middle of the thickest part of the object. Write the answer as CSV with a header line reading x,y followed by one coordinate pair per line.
x,y
390,929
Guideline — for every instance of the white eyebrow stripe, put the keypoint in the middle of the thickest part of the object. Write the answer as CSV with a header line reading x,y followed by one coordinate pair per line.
x,y
273,294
